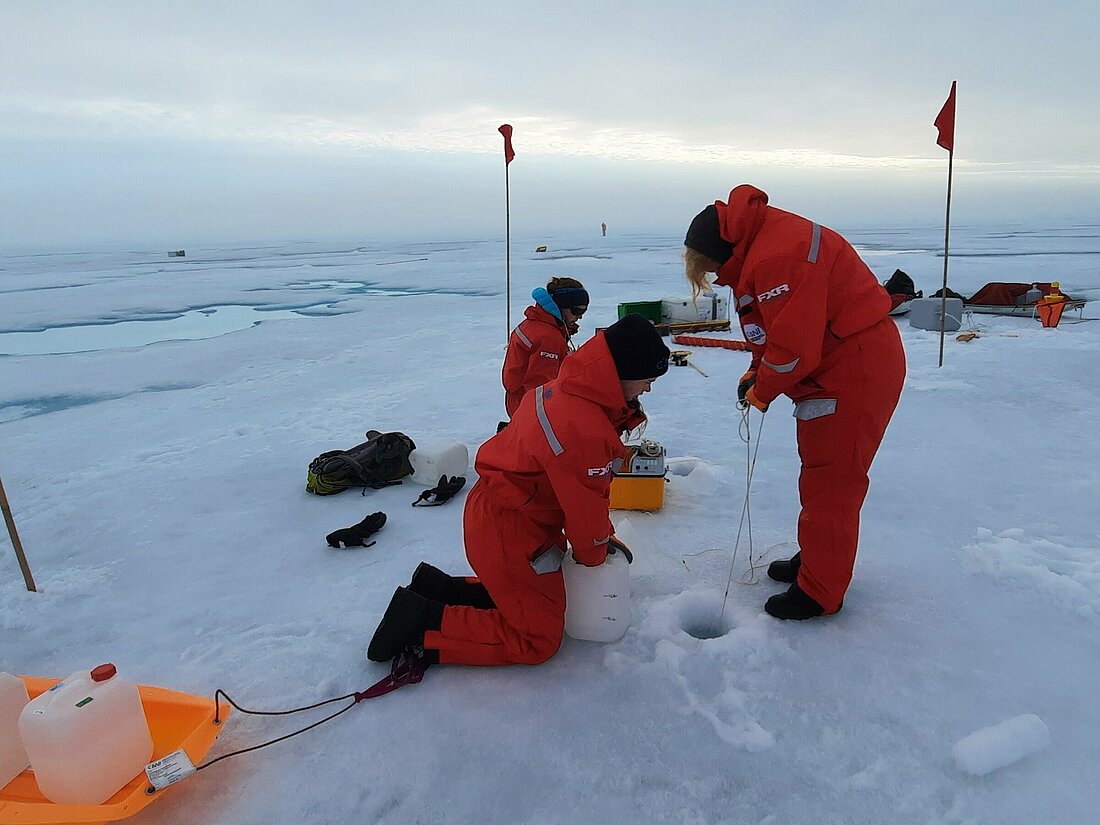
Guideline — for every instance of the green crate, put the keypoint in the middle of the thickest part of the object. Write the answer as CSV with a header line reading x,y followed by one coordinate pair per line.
x,y
647,309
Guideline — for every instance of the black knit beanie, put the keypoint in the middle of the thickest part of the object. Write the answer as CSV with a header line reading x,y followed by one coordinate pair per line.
x,y
637,348
703,236
568,297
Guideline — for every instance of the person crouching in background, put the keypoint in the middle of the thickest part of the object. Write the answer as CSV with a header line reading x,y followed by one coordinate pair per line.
x,y
540,343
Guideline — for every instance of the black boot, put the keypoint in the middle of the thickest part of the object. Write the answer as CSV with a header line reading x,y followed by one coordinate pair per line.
x,y
432,583
786,571
794,604
409,614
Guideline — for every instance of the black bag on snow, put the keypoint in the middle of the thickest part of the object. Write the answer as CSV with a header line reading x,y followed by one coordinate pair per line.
x,y
950,294
381,460
901,284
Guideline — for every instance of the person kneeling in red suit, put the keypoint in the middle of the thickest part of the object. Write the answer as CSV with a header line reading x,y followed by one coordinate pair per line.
x,y
542,481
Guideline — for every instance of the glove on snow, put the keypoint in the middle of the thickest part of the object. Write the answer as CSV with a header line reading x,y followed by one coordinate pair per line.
x,y
616,546
443,492
354,536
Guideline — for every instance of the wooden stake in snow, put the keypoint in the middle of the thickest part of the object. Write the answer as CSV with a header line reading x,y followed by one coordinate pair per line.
x,y
10,521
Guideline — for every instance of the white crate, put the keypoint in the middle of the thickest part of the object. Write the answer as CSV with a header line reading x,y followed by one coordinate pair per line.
x,y
925,313
712,307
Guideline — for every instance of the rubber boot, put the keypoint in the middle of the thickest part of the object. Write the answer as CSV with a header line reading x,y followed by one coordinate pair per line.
x,y
432,583
794,604
786,571
409,614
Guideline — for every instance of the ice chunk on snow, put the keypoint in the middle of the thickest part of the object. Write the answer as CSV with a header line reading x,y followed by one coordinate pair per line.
x,y
1002,744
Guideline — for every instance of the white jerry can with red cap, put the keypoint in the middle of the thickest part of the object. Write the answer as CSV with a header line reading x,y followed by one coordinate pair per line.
x,y
86,737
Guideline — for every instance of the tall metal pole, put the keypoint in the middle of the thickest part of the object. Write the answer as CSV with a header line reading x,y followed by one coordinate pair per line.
x,y
946,242
10,521
507,258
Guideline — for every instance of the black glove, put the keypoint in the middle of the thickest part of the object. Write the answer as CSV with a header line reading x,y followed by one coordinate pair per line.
x,y
444,491
355,536
614,545
747,380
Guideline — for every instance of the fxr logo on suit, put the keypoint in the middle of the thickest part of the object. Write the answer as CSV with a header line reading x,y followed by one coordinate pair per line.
x,y
772,294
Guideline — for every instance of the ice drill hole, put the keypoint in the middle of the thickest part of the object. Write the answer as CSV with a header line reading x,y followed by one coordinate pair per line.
x,y
704,620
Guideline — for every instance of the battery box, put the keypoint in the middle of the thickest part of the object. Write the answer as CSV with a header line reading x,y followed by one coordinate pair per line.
x,y
640,483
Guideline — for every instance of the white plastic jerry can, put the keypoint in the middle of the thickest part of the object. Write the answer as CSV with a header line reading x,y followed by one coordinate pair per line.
x,y
597,599
432,459
13,756
86,737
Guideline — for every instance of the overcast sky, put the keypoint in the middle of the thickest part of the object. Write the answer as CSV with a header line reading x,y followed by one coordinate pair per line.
x,y
164,122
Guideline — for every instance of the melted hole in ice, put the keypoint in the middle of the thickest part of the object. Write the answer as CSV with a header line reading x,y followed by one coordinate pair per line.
x,y
704,620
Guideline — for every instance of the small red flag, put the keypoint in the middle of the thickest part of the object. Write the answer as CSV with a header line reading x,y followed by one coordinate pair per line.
x,y
945,121
509,152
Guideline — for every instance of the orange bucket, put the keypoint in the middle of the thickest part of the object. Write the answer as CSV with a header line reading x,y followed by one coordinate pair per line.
x,y
1050,312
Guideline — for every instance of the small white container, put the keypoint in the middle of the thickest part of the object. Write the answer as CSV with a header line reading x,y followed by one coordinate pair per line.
x,y
925,313
597,599
432,459
1032,296
13,756
86,737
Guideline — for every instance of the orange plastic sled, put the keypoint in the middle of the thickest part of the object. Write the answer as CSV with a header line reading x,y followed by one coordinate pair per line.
x,y
176,720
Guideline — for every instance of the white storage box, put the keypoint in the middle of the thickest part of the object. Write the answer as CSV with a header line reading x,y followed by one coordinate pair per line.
x,y
924,313
713,307
431,459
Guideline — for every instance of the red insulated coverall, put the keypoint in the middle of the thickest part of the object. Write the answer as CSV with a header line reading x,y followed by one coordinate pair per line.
x,y
547,474
536,349
816,318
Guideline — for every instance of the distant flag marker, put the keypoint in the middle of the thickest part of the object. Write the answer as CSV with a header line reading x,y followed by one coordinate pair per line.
x,y
945,122
509,152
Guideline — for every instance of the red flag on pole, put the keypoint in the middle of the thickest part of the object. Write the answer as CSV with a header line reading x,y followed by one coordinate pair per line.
x,y
945,121
509,153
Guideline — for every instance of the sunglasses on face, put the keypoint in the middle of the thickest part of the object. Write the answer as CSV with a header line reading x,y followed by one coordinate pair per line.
x,y
578,311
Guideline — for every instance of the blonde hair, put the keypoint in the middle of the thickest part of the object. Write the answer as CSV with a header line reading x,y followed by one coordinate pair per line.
x,y
697,269
563,283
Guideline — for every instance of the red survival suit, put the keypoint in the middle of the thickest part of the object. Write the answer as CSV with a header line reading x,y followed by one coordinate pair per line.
x,y
816,319
536,349
547,473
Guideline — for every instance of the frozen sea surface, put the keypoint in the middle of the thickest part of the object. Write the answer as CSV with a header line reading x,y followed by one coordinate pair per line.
x,y
157,480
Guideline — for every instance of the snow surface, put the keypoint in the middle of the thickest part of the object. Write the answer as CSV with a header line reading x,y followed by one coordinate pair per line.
x,y
158,490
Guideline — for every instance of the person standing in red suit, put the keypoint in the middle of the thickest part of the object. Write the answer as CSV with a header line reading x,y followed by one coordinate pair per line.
x,y
542,481
816,319
538,346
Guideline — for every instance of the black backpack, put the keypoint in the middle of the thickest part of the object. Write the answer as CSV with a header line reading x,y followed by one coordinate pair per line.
x,y
901,284
381,460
